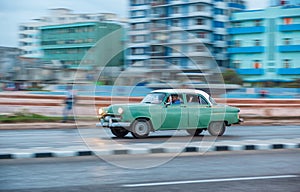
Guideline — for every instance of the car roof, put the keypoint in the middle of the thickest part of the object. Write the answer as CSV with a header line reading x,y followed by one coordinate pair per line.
x,y
178,91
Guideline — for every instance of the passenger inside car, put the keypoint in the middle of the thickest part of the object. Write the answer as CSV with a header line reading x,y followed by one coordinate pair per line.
x,y
175,99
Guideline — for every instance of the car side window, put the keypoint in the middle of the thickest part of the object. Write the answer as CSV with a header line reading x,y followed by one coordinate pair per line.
x,y
175,99
196,99
202,101
192,98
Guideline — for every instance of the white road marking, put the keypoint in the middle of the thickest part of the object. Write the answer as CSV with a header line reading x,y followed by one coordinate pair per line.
x,y
210,180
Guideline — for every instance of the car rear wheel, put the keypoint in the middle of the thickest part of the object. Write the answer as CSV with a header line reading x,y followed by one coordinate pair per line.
x,y
119,132
140,128
194,132
216,128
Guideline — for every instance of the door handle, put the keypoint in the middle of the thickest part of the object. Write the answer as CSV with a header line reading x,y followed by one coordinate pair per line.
x,y
183,106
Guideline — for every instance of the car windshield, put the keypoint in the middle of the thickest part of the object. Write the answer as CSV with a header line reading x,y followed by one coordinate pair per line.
x,y
154,98
213,102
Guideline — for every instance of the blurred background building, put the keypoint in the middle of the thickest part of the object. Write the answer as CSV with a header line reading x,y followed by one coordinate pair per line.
x,y
265,44
173,30
191,35
9,60
53,46
284,2
29,33
166,40
67,45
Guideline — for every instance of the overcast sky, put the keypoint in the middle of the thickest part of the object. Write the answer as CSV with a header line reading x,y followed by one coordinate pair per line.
x,y
14,12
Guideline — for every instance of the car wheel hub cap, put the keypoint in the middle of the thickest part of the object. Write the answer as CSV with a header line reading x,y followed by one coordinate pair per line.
x,y
141,129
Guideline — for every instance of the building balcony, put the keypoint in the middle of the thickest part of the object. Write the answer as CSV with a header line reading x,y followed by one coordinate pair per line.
x,y
253,49
176,2
200,14
199,27
159,28
198,40
58,46
137,57
220,44
290,27
158,16
236,6
288,71
250,71
198,54
201,1
139,32
246,30
157,4
140,44
176,54
289,48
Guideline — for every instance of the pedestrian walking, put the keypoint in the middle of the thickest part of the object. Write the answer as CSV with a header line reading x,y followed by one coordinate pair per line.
x,y
69,102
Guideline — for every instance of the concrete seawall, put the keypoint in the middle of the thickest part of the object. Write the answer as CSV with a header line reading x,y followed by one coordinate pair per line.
x,y
87,105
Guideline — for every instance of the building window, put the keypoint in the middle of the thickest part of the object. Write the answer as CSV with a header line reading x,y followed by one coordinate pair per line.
x,y
257,22
176,10
219,11
138,38
287,63
201,34
287,41
287,20
176,22
138,2
137,51
256,64
199,48
138,26
200,21
218,50
199,8
218,37
257,42
237,43
219,24
236,64
175,61
236,24
138,13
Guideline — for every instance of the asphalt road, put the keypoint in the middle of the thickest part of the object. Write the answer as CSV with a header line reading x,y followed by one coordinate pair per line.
x,y
59,138
223,171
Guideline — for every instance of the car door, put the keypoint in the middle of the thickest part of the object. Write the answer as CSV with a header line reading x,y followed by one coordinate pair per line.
x,y
175,116
199,111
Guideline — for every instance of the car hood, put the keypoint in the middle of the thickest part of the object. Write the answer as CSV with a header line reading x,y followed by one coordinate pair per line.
x,y
113,109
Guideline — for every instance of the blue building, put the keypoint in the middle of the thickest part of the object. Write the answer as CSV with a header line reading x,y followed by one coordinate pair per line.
x,y
180,32
265,44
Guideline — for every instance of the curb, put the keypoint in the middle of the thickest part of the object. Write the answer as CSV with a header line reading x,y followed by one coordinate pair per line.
x,y
188,149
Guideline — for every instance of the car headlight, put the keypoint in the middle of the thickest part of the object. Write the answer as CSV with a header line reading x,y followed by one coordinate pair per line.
x,y
101,111
120,110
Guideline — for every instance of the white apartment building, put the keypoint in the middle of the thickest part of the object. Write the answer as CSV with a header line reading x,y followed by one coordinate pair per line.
x,y
180,32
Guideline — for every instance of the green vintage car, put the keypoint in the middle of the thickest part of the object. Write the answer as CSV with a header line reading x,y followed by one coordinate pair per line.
x,y
169,109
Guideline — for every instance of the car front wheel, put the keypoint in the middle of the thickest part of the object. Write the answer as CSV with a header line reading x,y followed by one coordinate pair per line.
x,y
216,128
119,132
140,128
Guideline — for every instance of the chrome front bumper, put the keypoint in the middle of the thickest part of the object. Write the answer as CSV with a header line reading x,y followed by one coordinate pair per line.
x,y
112,124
